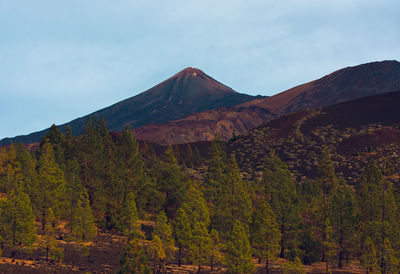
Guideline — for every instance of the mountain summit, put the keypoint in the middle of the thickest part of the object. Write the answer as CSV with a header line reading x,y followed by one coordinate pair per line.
x,y
187,92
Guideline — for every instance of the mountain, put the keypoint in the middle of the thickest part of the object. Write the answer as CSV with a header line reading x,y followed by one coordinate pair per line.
x,y
204,126
353,131
340,86
187,92
343,85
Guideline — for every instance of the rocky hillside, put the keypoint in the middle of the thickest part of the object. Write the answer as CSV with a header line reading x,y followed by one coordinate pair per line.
x,y
204,126
353,131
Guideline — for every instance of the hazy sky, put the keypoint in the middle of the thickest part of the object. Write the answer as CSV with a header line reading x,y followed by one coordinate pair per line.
x,y
63,59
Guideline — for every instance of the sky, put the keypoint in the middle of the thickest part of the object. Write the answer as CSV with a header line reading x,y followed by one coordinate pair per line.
x,y
64,59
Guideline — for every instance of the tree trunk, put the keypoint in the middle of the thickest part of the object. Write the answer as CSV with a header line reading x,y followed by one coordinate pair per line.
x,y
282,254
383,263
180,256
12,252
323,259
14,228
43,219
47,253
212,259
267,266
326,267
341,255
198,270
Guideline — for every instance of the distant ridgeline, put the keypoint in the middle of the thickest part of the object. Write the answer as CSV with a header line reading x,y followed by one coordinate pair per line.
x,y
192,107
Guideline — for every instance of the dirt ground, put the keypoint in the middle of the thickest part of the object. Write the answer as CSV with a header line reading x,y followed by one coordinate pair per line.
x,y
104,256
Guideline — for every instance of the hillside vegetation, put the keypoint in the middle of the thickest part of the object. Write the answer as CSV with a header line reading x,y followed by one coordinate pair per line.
x,y
102,203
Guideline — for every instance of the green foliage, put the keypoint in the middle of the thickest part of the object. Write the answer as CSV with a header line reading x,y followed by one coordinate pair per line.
x,y
129,169
281,191
234,201
293,267
163,231
50,243
368,257
215,179
134,259
329,182
79,213
216,257
265,234
379,213
392,262
157,254
51,188
310,248
200,245
90,157
10,170
28,171
17,222
129,214
55,137
171,182
196,206
182,232
238,251
344,221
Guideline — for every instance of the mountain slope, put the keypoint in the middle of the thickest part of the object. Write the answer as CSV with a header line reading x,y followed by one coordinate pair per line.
x,y
353,131
343,85
203,126
187,92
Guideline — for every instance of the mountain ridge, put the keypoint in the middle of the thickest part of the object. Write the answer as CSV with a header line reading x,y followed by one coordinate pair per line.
x,y
339,86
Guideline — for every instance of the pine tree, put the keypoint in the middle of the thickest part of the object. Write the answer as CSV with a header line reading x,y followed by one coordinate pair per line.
x,y
69,145
293,267
200,245
378,210
216,177
389,257
163,230
51,187
368,256
196,206
10,170
281,191
216,248
171,182
79,213
50,243
134,259
265,234
17,227
328,180
238,251
234,202
56,138
28,171
130,165
182,232
157,254
108,174
129,214
89,150
344,221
